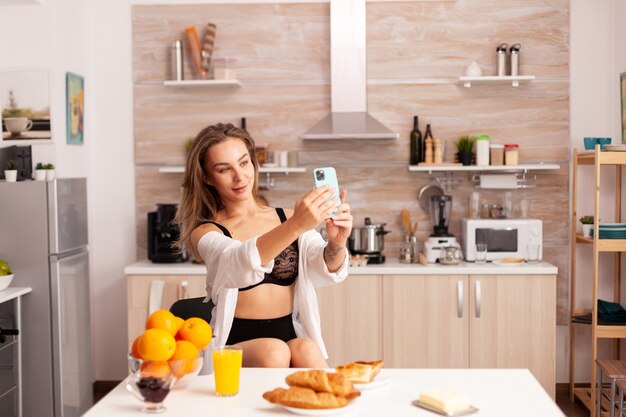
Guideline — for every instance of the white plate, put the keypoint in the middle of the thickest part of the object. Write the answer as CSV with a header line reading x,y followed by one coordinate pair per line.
x,y
618,148
500,263
323,412
378,382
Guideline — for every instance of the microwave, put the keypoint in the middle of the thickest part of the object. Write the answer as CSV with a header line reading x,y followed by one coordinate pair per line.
x,y
505,238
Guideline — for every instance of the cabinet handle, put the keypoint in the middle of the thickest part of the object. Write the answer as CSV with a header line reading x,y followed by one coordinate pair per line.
x,y
478,299
459,301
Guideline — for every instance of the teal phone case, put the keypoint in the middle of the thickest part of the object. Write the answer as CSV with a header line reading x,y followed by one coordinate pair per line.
x,y
327,175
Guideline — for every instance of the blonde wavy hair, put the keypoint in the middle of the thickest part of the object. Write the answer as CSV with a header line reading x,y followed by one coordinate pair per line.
x,y
199,201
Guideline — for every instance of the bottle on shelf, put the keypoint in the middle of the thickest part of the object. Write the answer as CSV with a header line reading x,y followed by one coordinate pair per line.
x,y
416,143
514,51
243,123
501,59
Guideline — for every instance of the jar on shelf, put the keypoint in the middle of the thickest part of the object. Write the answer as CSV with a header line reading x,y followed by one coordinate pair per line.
x,y
482,150
496,151
224,68
511,154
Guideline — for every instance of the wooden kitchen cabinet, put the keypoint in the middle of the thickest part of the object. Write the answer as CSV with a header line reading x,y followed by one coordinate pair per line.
x,y
351,315
512,324
425,321
475,321
138,296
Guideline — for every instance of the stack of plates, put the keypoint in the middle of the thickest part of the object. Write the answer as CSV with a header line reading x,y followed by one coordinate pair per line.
x,y
612,231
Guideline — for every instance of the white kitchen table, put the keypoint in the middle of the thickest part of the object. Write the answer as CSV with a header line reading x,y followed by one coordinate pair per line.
x,y
496,392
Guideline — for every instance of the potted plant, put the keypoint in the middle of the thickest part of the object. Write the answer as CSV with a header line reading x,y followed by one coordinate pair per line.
x,y
11,172
464,149
40,172
49,172
587,222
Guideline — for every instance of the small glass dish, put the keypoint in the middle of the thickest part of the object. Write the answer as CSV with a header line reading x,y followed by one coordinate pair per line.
x,y
151,391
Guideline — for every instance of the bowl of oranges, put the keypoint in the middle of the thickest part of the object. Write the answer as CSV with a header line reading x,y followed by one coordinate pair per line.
x,y
170,347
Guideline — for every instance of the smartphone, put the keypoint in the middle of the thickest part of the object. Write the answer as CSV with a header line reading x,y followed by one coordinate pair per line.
x,y
324,176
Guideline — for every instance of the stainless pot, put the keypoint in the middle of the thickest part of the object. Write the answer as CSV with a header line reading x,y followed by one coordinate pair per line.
x,y
369,239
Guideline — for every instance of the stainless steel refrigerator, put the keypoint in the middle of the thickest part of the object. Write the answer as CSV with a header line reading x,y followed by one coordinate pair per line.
x,y
43,236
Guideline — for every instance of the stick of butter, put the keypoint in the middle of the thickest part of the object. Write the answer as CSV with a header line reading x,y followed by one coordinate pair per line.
x,y
445,400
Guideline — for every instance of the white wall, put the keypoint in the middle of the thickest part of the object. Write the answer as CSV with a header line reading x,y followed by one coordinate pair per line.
x,y
93,38
596,60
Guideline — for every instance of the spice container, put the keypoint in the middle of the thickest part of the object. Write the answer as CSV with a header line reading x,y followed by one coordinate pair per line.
x,y
484,211
482,150
474,205
496,151
511,154
224,68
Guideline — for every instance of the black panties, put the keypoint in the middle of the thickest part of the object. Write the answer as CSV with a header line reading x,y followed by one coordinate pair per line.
x,y
248,329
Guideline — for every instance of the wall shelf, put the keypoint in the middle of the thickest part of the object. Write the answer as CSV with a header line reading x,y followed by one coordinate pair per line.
x,y
202,83
492,168
514,80
268,171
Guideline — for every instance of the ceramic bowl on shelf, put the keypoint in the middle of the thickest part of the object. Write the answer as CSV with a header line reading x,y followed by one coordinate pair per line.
x,y
5,281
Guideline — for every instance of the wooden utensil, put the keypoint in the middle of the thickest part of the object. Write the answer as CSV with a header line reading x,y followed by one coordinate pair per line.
x,y
406,221
414,230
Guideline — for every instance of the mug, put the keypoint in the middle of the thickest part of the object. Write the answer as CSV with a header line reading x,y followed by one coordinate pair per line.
x,y
17,125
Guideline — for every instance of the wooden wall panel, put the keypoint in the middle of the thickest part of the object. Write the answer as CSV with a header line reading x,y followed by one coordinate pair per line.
x,y
416,51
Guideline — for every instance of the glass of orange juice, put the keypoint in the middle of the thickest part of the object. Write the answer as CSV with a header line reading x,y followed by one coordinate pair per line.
x,y
226,367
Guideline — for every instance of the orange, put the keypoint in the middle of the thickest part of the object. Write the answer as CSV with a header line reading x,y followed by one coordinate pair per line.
x,y
178,323
133,349
196,331
186,352
155,369
156,345
162,319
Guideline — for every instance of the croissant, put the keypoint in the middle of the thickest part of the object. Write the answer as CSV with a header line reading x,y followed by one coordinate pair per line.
x,y
304,398
322,381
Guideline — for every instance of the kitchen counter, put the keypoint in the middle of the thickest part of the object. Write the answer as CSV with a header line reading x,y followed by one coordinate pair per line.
x,y
146,267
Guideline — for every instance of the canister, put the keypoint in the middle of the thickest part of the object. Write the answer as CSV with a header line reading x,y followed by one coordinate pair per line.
x,y
501,59
511,154
496,151
482,150
515,58
177,61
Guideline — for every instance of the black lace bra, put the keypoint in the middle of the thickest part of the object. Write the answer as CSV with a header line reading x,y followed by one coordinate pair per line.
x,y
285,269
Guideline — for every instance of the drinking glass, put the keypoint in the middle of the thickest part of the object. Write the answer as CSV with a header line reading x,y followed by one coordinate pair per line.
x,y
227,367
524,206
481,253
533,251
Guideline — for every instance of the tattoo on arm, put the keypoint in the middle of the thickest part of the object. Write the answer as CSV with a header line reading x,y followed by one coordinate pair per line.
x,y
332,252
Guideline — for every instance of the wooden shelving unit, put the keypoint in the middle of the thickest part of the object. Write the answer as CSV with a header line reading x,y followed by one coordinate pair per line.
x,y
598,159
202,83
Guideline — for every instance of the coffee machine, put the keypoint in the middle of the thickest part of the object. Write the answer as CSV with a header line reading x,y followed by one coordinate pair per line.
x,y
162,234
441,210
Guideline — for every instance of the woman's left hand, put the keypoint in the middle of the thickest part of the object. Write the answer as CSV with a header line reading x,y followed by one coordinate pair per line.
x,y
340,226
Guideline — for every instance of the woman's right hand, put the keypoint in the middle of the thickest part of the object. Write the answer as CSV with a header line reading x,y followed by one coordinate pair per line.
x,y
312,208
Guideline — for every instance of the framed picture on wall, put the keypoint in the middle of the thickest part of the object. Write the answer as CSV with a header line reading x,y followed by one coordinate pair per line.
x,y
622,83
74,108
25,103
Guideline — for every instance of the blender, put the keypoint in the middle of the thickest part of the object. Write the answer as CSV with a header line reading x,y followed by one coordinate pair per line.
x,y
441,210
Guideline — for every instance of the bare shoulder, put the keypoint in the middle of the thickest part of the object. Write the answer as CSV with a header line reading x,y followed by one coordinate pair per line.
x,y
202,230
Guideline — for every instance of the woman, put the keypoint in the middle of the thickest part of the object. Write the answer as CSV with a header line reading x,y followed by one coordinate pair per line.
x,y
262,263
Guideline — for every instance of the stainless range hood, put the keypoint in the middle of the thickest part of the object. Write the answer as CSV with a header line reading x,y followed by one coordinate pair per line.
x,y
349,118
